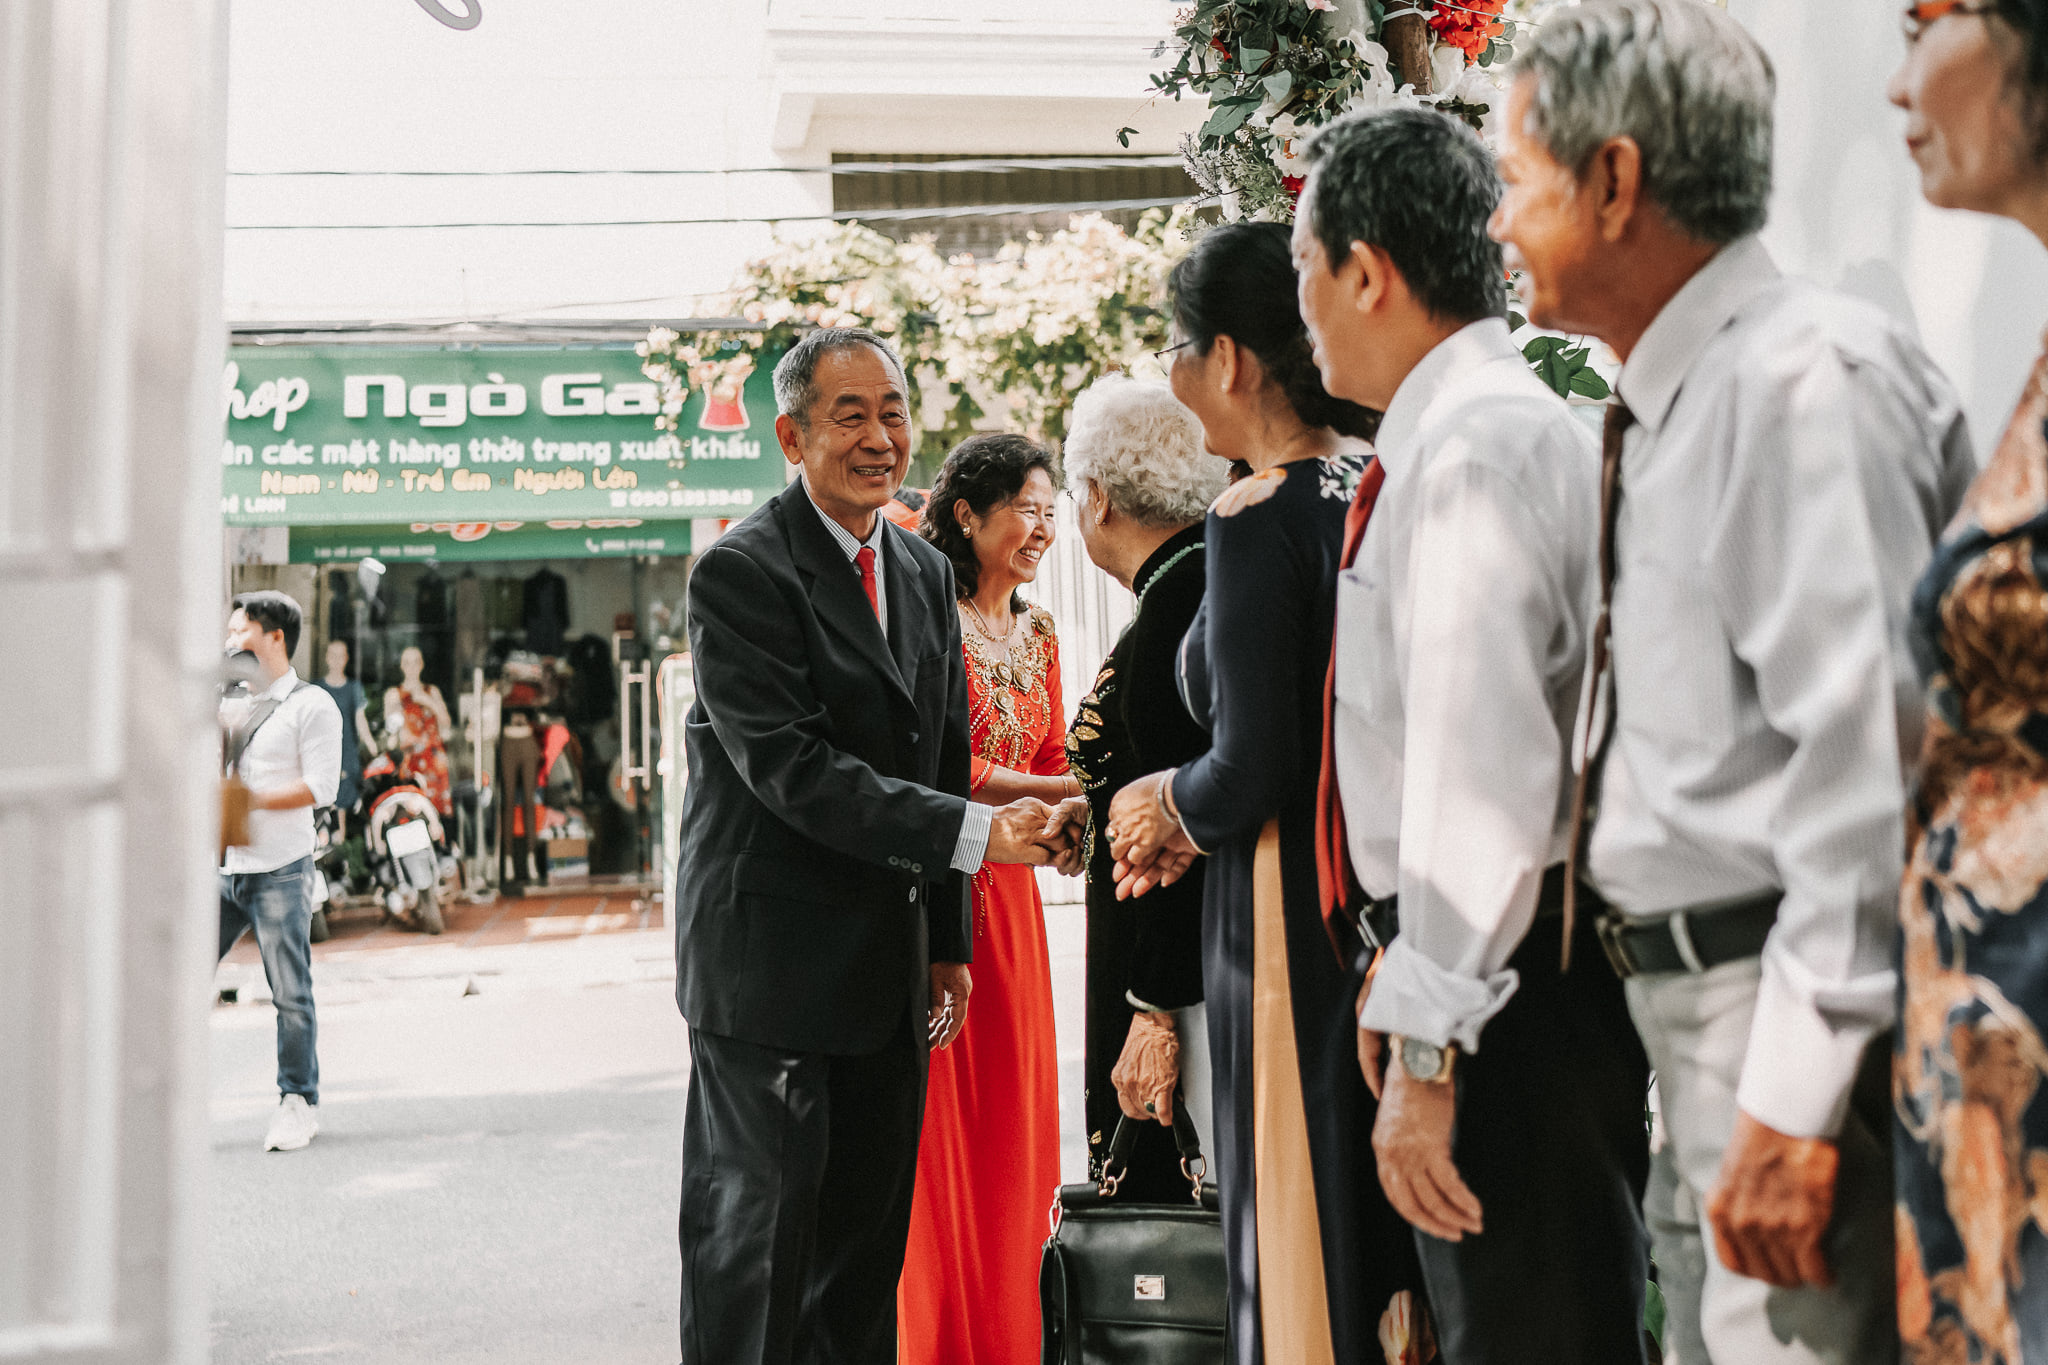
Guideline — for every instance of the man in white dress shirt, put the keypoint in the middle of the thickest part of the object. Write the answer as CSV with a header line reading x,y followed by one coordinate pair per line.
x,y
1510,1129
1781,462
284,741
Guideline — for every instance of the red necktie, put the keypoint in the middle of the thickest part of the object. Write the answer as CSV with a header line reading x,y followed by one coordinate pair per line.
x,y
1333,857
865,558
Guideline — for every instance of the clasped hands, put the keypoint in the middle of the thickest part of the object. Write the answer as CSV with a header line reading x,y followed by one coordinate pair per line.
x,y
1030,831
1145,836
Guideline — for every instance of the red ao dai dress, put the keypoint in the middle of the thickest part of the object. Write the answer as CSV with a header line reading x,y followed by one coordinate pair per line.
x,y
988,1162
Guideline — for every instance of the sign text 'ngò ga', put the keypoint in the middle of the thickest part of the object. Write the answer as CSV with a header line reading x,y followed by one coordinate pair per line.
x,y
355,435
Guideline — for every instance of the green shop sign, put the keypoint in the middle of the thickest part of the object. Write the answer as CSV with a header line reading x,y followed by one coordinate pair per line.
x,y
399,436
458,542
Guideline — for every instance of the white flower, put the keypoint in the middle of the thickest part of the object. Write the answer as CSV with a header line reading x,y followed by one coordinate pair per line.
x,y
1324,5
1479,85
1446,67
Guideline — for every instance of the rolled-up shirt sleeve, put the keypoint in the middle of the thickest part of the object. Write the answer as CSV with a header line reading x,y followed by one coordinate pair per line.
x,y
1484,756
320,746
1822,529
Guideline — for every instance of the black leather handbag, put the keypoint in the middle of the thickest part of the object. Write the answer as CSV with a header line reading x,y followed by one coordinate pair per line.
x,y
1123,1283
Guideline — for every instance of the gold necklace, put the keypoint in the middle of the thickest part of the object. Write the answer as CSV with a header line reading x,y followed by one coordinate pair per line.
x,y
1003,670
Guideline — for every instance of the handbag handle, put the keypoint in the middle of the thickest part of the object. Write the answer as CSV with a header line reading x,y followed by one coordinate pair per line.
x,y
1186,1140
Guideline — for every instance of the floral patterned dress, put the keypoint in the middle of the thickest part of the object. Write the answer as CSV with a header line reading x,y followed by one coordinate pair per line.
x,y
1973,917
423,757
989,1159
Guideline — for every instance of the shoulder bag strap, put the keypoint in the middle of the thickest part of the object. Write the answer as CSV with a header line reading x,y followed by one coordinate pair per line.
x,y
238,742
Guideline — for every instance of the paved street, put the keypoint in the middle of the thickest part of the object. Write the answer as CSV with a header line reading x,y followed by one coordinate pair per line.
x,y
496,1172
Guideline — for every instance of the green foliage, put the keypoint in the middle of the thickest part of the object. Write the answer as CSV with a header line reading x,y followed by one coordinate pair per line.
x,y
1568,369
1002,340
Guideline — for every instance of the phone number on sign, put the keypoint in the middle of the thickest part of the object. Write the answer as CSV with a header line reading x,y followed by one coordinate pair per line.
x,y
684,497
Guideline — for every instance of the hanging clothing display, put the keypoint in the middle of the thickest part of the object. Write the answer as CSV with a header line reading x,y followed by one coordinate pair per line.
x,y
341,609
593,691
437,634
545,611
472,634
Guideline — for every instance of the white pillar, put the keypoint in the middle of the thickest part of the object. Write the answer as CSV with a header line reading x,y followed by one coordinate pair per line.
x,y
110,356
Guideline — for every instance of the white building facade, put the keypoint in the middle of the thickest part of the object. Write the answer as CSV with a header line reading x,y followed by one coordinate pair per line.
x,y
620,159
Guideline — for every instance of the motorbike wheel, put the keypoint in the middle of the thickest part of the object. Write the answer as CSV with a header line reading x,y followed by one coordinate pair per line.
x,y
430,911
319,932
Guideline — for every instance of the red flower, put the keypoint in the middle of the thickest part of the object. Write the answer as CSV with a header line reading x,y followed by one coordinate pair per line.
x,y
1292,184
1469,27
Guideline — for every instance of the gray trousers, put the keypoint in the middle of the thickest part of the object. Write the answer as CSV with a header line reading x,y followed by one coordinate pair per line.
x,y
1696,1030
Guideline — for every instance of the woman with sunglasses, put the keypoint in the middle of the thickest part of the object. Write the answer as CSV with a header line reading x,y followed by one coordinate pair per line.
x,y
1968,1076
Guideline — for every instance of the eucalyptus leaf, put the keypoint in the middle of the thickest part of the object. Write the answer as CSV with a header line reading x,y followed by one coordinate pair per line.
x,y
1516,322
1227,119
1252,58
1279,86
1589,384
1123,136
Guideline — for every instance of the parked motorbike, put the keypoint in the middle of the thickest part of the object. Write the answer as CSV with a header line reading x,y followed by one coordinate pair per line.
x,y
406,847
330,869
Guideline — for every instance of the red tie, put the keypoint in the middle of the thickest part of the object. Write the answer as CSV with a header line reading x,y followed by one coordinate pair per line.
x,y
865,558
1333,857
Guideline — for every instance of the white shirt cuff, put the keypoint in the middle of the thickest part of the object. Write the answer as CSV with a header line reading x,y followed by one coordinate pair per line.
x,y
971,848
1806,1041
1416,998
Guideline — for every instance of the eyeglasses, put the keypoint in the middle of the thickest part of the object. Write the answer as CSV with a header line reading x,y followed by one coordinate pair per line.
x,y
1162,354
1919,18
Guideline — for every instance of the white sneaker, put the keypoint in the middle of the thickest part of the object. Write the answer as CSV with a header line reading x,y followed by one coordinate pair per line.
x,y
293,1126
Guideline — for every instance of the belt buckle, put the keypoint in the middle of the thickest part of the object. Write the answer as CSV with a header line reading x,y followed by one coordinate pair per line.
x,y
1368,924
1610,928
1365,932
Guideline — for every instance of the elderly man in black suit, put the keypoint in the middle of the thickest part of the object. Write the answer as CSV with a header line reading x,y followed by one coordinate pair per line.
x,y
822,930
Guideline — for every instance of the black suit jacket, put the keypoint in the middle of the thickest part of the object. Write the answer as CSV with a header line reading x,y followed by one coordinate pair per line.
x,y
828,781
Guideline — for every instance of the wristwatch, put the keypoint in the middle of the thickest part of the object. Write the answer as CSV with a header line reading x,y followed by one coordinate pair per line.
x,y
1426,1062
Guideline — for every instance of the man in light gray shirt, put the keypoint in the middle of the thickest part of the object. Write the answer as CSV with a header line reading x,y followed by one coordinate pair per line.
x,y
1776,472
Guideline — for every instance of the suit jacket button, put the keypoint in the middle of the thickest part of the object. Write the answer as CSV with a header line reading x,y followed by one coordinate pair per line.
x,y
913,895
895,862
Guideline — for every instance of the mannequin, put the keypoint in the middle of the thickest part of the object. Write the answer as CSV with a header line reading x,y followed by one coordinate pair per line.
x,y
356,739
416,711
519,776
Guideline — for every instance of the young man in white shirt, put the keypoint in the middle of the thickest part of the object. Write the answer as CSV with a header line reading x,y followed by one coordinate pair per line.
x,y
1510,1128
1780,463
284,741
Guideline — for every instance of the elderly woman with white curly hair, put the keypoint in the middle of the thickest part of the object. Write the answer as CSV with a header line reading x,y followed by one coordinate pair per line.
x,y
1143,482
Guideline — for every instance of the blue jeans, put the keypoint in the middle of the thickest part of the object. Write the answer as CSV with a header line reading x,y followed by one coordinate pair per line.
x,y
278,905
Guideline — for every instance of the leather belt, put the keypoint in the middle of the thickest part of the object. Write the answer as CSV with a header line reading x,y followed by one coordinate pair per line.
x,y
1693,939
1379,920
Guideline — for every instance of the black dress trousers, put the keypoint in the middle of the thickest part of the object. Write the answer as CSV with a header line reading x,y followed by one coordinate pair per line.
x,y
1552,1139
797,1175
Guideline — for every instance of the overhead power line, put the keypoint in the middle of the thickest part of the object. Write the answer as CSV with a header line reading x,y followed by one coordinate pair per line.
x,y
981,165
845,216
